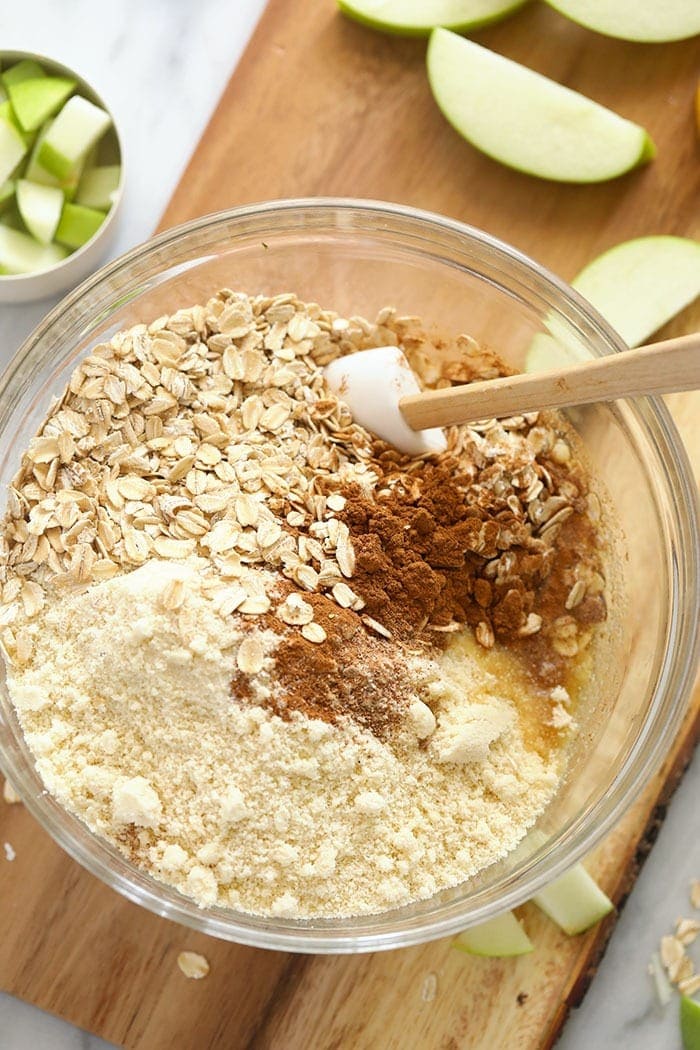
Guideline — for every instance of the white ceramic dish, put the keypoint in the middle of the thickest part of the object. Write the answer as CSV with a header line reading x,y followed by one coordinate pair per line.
x,y
21,288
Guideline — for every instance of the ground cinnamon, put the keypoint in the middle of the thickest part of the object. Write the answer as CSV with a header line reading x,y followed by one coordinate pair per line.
x,y
449,550
353,673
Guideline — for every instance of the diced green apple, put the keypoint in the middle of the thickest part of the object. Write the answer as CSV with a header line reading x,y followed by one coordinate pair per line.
x,y
35,172
20,253
27,69
12,148
7,192
8,114
575,902
418,17
640,285
35,100
40,208
98,187
77,225
74,131
635,20
499,937
525,120
11,216
690,1023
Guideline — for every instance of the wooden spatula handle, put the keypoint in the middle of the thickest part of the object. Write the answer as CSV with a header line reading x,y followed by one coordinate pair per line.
x,y
657,369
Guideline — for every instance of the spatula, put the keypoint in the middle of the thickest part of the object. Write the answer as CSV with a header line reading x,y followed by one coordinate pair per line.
x,y
383,393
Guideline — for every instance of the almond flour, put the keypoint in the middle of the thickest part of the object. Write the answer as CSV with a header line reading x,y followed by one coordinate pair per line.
x,y
126,705
279,666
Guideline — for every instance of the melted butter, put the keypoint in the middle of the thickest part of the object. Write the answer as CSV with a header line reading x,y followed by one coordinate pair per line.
x,y
513,682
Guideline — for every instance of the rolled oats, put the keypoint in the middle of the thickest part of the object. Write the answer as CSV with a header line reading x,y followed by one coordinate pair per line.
x,y
193,965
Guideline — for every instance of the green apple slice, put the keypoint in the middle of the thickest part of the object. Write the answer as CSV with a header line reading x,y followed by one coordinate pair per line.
x,y
547,352
77,225
637,286
635,20
20,253
98,187
27,69
640,285
40,208
37,99
12,148
575,902
499,937
75,130
524,120
690,1023
660,981
418,17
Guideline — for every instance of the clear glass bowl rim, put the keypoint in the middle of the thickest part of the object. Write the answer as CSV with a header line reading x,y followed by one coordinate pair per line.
x,y
675,679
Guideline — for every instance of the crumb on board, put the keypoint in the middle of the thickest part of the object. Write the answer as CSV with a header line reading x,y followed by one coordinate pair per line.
x,y
9,852
193,965
429,989
9,794
695,893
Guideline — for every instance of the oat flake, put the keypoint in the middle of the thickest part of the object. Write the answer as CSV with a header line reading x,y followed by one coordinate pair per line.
x,y
193,965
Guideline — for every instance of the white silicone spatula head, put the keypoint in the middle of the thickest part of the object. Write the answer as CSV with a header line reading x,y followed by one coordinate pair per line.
x,y
372,383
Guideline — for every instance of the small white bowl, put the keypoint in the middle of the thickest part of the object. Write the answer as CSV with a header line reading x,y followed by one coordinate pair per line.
x,y
20,288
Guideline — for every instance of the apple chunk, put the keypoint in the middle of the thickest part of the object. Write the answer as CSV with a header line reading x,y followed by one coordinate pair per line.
x,y
75,130
690,1023
20,253
499,937
25,70
37,99
7,192
77,225
525,120
645,22
98,187
575,902
12,148
40,208
418,17
36,173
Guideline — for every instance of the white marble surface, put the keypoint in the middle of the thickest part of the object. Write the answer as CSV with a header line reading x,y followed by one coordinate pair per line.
x,y
161,65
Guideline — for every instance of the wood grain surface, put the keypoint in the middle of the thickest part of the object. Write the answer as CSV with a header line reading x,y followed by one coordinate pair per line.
x,y
321,106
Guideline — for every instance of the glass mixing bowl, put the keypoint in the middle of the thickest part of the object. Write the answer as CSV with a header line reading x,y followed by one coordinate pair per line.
x,y
355,257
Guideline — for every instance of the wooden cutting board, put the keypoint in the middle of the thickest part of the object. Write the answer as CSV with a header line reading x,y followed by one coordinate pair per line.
x,y
321,106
